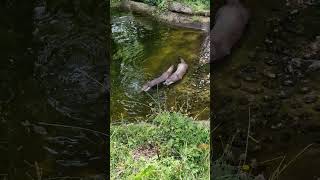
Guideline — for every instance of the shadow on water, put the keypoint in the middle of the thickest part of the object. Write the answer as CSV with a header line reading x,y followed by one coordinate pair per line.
x,y
260,74
142,50
53,84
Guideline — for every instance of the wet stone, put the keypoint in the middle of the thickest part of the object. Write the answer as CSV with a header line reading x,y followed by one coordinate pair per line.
x,y
270,62
249,78
269,84
297,62
309,99
288,83
277,126
243,101
267,98
317,107
270,75
235,84
295,105
283,94
305,90
252,90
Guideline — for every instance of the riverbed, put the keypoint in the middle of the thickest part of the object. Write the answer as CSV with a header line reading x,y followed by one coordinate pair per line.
x,y
267,82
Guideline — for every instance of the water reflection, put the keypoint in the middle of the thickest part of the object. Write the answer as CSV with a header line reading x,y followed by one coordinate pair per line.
x,y
58,77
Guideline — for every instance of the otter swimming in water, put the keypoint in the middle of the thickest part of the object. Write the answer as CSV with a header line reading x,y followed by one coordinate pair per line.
x,y
160,79
178,74
230,22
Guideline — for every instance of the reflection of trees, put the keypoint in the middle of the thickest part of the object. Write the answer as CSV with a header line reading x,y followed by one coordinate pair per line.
x,y
127,54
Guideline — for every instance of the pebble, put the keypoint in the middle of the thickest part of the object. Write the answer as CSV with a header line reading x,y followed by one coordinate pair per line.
x,y
267,98
317,107
252,90
269,74
309,99
235,84
305,90
250,79
288,83
283,95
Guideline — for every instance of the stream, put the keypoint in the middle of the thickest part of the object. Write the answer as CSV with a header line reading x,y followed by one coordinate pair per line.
x,y
142,50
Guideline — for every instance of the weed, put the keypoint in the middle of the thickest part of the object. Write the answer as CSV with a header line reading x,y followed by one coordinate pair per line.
x,y
178,149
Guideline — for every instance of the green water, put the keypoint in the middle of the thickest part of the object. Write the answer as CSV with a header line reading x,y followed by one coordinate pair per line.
x,y
142,50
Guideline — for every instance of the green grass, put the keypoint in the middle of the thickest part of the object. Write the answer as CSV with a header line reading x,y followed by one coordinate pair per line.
x,y
180,149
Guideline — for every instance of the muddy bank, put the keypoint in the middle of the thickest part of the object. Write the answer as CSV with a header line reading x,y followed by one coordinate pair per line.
x,y
175,15
274,73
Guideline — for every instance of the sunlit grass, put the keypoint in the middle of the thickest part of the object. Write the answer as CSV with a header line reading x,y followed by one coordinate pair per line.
x,y
180,147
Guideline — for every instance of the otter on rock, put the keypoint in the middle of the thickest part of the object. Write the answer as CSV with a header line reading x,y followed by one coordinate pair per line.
x,y
230,22
158,80
178,74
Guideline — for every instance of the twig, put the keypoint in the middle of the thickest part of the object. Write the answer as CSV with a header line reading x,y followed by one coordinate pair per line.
x,y
73,127
253,139
86,74
245,155
295,158
270,160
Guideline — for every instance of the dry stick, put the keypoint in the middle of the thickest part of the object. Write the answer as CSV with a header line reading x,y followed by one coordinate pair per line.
x,y
86,74
198,114
245,155
136,102
270,160
215,128
253,139
153,99
275,175
73,127
295,158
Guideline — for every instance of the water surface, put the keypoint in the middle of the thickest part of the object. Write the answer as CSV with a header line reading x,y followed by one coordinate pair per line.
x,y
142,50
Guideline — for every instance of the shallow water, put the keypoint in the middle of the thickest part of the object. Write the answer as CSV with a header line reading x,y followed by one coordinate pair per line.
x,y
142,50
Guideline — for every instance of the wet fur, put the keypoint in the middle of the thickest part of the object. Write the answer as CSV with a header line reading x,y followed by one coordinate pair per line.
x,y
160,79
230,22
178,74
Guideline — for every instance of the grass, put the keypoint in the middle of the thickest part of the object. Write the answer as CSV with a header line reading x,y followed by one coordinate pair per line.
x,y
171,146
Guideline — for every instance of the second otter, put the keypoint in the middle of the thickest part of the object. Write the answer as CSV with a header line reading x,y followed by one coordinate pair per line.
x,y
178,74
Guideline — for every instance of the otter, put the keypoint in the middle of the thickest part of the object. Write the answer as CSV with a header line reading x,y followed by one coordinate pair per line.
x,y
230,22
178,74
146,87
